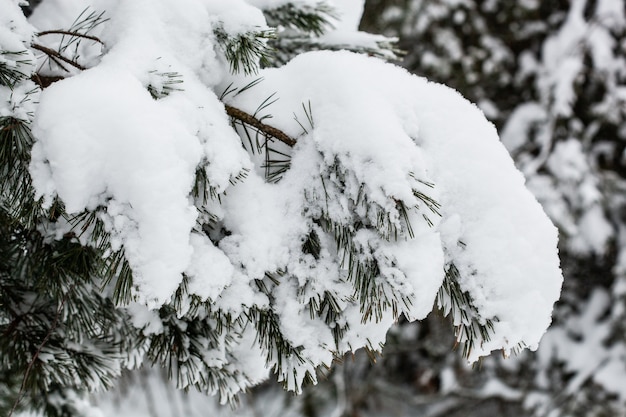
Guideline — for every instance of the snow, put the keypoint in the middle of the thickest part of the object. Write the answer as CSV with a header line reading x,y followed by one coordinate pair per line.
x,y
14,31
274,4
378,138
470,172
131,156
209,270
463,159
145,319
57,14
568,161
15,35
20,101
565,176
344,39
136,156
260,245
349,12
496,388
611,13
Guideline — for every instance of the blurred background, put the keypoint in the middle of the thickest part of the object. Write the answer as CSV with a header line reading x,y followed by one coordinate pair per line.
x,y
551,75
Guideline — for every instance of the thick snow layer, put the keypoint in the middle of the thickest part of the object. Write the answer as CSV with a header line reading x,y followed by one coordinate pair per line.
x,y
103,141
121,150
13,27
399,123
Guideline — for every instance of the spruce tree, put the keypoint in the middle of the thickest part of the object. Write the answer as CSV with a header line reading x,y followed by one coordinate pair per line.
x,y
169,198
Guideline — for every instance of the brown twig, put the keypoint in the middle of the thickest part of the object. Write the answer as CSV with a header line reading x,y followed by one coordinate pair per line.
x,y
248,119
59,63
70,33
44,81
57,56
233,112
55,323
12,326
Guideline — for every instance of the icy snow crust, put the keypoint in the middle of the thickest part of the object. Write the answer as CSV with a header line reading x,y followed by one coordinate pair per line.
x,y
103,143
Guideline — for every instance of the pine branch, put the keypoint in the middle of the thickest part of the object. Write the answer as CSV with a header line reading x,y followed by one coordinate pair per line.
x,y
470,328
84,23
311,19
17,194
248,119
277,348
10,66
327,307
168,82
70,33
13,324
53,327
287,47
181,348
56,56
114,265
246,51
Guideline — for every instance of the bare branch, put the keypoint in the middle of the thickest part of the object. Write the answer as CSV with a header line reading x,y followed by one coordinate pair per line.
x,y
70,33
57,56
248,119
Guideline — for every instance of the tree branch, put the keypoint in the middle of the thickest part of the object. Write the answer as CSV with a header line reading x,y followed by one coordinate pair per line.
x,y
12,326
70,33
57,56
55,323
233,112
248,119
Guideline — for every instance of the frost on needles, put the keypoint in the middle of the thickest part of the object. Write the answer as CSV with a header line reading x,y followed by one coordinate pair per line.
x,y
172,194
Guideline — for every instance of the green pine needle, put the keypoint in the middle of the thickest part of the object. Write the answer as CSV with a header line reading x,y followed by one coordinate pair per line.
x,y
16,191
451,299
170,82
311,19
245,52
12,74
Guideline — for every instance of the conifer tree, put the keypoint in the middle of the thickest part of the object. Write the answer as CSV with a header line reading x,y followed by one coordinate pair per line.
x,y
170,199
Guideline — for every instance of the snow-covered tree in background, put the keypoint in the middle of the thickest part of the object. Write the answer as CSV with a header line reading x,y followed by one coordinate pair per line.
x,y
552,76
171,196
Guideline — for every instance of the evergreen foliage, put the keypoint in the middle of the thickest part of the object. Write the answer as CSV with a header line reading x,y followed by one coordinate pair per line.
x,y
301,27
